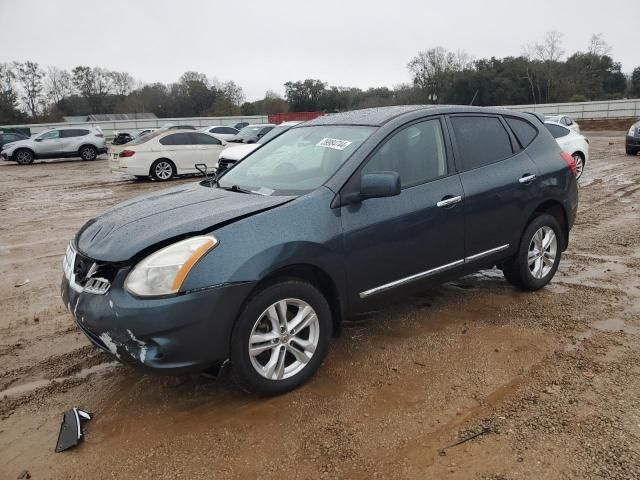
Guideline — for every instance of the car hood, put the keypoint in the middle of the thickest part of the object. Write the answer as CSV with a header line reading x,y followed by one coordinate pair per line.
x,y
238,152
133,226
18,143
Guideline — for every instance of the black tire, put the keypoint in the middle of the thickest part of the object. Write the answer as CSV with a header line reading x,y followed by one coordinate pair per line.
x,y
517,270
88,152
630,151
23,156
162,170
242,368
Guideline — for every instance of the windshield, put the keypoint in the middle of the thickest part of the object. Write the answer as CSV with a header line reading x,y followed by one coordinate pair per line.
x,y
250,131
296,162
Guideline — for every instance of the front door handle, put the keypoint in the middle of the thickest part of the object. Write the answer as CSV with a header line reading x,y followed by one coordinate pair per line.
x,y
449,201
527,178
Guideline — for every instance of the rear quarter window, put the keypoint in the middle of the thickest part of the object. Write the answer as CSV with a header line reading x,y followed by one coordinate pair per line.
x,y
556,130
480,140
523,130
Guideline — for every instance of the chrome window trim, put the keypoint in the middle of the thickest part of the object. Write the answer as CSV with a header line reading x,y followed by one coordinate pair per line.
x,y
431,272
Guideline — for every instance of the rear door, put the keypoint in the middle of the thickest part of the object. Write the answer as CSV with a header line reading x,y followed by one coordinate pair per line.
x,y
499,181
179,148
394,241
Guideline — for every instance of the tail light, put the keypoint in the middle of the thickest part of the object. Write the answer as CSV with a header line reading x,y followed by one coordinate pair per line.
x,y
131,153
570,162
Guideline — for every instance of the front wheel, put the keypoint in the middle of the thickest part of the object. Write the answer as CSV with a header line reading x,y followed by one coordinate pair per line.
x,y
538,256
280,338
23,157
88,153
630,151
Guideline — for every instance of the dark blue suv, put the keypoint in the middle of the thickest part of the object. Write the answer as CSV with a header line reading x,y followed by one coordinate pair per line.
x,y
259,266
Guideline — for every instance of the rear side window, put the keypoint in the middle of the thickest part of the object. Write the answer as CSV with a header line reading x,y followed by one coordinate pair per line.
x,y
556,130
177,139
73,133
416,153
204,139
480,140
525,132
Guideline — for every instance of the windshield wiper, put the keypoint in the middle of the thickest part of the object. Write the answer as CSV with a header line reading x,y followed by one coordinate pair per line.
x,y
236,188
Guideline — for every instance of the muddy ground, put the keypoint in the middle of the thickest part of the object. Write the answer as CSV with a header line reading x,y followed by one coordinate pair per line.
x,y
550,379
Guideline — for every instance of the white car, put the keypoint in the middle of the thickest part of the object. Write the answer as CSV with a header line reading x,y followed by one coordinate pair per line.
x,y
231,155
164,154
565,121
221,132
571,142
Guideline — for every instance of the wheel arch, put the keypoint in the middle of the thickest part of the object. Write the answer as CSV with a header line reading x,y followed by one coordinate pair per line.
x,y
29,149
317,277
556,210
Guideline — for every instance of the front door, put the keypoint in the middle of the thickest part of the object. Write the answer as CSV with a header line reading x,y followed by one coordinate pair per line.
x,y
49,144
419,234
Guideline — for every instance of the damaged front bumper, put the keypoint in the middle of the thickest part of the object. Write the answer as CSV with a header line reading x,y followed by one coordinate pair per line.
x,y
180,334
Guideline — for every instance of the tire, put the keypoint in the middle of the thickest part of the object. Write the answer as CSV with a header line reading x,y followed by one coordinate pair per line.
x,y
528,269
275,366
162,170
88,152
23,156
578,158
630,151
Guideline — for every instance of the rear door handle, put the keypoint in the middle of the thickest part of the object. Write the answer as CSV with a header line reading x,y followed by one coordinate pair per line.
x,y
448,201
527,178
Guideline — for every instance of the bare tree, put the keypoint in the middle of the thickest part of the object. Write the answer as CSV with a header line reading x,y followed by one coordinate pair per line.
x,y
431,70
58,84
598,46
550,49
122,82
29,75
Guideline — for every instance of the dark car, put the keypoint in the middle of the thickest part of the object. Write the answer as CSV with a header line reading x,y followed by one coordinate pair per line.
x,y
10,137
240,125
632,142
122,138
252,133
261,265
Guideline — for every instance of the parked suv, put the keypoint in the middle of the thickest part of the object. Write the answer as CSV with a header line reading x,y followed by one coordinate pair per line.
x,y
260,265
632,141
86,143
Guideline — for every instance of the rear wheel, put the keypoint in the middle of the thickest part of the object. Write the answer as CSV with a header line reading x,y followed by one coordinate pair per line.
x,y
280,338
23,157
579,161
162,170
88,152
538,256
631,151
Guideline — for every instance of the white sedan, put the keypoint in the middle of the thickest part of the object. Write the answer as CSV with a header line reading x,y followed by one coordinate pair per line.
x,y
571,142
221,132
164,154
565,121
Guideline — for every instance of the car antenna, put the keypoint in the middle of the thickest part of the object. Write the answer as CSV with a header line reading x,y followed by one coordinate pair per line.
x,y
474,97
202,168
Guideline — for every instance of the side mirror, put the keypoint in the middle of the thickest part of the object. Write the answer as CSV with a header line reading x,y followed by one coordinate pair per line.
x,y
379,184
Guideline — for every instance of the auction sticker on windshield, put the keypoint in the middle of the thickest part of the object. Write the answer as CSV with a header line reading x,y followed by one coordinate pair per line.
x,y
334,143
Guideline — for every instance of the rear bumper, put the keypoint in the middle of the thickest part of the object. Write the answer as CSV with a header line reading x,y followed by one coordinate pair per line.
x,y
181,334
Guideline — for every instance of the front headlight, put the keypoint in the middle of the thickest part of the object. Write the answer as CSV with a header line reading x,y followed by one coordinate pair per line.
x,y
163,272
632,131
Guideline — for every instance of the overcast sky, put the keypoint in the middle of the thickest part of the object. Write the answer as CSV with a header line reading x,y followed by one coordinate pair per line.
x,y
262,44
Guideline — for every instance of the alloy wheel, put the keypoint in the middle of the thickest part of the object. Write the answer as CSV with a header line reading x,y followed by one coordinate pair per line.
x,y
543,249
284,338
23,157
87,153
164,170
579,164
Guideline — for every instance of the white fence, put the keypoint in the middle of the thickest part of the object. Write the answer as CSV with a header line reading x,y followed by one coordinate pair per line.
x,y
586,110
110,127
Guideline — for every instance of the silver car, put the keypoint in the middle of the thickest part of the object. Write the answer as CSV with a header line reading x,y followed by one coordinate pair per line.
x,y
84,142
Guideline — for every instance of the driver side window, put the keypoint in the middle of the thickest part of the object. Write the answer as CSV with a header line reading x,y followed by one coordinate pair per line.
x,y
50,135
416,153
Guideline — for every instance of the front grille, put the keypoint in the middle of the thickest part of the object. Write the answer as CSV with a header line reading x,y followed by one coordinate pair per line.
x,y
225,164
86,275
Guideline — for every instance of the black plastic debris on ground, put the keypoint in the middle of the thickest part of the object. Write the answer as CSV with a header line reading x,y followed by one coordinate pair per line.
x,y
71,429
